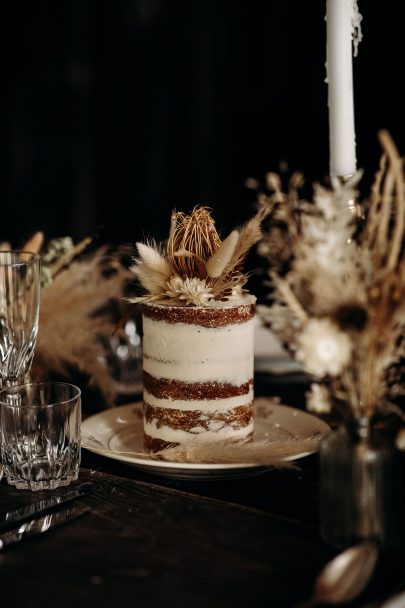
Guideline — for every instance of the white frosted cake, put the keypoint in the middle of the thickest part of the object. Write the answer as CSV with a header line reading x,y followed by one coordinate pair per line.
x,y
198,372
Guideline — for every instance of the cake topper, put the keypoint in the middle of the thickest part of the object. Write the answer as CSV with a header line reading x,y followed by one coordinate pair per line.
x,y
196,267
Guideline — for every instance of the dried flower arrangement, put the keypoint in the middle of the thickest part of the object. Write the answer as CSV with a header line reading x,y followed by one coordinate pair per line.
x,y
196,266
74,317
338,281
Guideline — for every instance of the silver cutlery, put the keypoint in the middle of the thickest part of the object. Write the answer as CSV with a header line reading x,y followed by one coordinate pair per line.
x,y
345,576
39,525
40,507
397,601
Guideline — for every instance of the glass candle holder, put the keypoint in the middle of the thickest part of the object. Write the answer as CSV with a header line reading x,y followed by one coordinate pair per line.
x,y
362,486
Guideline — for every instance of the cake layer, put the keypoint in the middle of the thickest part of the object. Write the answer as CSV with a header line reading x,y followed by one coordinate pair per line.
x,y
195,421
193,353
203,405
176,436
163,388
215,315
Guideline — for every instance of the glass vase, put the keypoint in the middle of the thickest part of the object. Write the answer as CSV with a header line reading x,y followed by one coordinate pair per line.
x,y
362,486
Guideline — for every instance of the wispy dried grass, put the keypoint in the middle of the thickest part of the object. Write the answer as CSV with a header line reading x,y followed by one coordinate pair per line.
x,y
265,453
261,453
75,316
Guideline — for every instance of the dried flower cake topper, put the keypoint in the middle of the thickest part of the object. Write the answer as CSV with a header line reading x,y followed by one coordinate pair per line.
x,y
196,266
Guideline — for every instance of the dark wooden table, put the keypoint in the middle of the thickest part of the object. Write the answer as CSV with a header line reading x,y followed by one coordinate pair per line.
x,y
151,541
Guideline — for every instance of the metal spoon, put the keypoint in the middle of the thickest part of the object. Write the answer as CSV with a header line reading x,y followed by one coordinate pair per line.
x,y
345,577
398,601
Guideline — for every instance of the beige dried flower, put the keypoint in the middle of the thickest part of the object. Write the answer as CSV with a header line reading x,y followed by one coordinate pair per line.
x,y
190,291
323,349
193,239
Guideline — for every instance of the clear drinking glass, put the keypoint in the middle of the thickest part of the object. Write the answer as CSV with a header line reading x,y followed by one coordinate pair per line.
x,y
40,434
19,311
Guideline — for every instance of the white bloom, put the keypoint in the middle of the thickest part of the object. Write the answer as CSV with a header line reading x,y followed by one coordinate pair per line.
x,y
192,291
323,349
236,292
318,399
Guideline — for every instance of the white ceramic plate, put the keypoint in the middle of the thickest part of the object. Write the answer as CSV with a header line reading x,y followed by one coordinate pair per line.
x,y
120,429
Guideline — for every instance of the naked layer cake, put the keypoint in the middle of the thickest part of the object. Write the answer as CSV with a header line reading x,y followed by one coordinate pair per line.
x,y
198,333
198,372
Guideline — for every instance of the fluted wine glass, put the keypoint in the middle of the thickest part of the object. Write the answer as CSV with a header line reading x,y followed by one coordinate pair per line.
x,y
19,311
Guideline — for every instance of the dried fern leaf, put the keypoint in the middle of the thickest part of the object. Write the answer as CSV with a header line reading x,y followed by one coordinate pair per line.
x,y
249,235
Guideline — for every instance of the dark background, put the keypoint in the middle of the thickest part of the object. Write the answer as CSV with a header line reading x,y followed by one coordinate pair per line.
x,y
114,112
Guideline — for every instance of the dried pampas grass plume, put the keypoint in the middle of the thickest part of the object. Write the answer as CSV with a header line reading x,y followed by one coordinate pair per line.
x,y
35,243
264,453
249,235
217,263
151,268
75,315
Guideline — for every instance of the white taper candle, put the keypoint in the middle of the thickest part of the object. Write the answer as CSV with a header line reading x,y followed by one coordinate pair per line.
x,y
339,65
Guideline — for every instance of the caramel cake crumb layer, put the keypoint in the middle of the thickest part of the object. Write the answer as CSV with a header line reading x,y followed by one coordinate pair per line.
x,y
197,421
164,388
205,316
198,424
198,434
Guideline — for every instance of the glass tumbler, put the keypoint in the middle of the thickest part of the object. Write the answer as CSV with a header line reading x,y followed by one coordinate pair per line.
x,y
40,434
19,310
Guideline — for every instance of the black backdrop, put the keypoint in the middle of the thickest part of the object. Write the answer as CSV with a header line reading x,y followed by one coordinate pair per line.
x,y
115,111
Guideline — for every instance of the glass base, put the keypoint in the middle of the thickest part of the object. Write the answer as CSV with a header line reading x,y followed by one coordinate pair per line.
x,y
44,484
